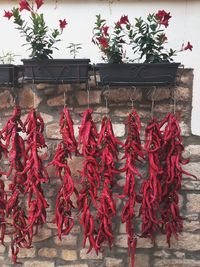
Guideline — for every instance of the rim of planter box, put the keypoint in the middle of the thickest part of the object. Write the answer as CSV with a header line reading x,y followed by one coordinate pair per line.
x,y
46,71
139,70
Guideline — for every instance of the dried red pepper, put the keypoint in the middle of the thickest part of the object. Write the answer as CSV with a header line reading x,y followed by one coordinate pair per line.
x,y
35,172
17,157
172,221
151,188
3,195
133,154
66,147
109,150
90,179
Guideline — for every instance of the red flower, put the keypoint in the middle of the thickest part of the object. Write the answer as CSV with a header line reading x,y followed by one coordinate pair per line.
x,y
39,3
23,4
105,30
188,47
8,14
63,23
163,17
103,42
123,20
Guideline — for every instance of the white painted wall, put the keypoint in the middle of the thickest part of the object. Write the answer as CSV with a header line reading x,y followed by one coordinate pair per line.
x,y
80,14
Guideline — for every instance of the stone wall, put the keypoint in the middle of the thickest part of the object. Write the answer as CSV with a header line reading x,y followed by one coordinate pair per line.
x,y
47,250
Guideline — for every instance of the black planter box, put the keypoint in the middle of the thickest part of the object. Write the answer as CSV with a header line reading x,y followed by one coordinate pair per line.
x,y
56,70
137,73
8,74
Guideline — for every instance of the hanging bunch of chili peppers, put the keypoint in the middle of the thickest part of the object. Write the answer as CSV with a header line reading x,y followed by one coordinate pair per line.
x,y
14,143
35,171
158,196
172,221
133,154
90,179
151,189
109,150
3,195
65,149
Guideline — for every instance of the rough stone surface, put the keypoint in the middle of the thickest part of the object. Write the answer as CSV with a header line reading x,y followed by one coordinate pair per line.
x,y
7,100
90,256
121,241
2,249
53,131
82,97
193,168
57,101
159,94
73,265
192,151
113,262
39,264
69,255
47,252
191,226
119,129
28,99
27,252
75,165
187,241
177,263
123,95
186,77
183,94
69,240
46,117
43,235
142,260
193,203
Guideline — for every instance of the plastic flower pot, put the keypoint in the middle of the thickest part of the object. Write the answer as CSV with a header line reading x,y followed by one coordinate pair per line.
x,y
8,74
56,70
137,73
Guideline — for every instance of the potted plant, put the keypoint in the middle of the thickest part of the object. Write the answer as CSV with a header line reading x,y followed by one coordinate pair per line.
x,y
8,71
147,39
41,67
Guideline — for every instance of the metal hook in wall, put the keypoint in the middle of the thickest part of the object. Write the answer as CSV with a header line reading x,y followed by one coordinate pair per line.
x,y
153,101
65,100
133,96
174,100
88,95
106,96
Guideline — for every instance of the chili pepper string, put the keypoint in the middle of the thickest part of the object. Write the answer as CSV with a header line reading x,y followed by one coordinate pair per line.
x,y
36,172
17,157
90,179
64,204
133,154
109,150
151,190
172,221
3,195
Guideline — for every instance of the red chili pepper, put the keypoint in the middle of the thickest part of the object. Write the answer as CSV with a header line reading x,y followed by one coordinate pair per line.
x,y
109,150
133,154
35,172
64,204
151,188
17,157
90,179
172,148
